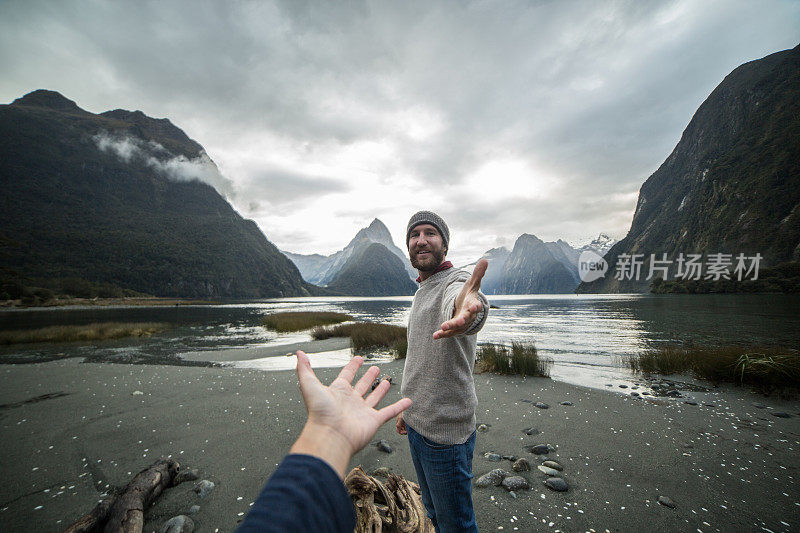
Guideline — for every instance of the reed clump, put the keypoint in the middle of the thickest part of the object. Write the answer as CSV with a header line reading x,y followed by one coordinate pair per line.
x,y
300,320
367,336
522,359
766,368
89,332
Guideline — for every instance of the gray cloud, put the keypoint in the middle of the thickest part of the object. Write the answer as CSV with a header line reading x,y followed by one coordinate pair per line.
x,y
592,94
282,188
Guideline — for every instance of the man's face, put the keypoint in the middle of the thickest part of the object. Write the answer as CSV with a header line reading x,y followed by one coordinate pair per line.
x,y
426,248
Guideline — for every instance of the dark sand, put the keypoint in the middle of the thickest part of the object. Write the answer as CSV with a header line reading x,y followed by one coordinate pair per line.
x,y
730,467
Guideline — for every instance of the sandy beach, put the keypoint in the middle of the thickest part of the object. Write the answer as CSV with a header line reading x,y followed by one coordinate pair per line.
x,y
728,464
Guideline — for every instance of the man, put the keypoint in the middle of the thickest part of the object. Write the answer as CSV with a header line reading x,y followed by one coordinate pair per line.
x,y
447,311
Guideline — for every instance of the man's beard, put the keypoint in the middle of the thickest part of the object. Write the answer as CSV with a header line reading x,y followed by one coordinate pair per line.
x,y
431,263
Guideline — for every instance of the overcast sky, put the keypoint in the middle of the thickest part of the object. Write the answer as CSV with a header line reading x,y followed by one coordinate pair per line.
x,y
504,117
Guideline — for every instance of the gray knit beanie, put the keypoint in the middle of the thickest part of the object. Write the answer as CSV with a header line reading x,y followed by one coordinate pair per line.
x,y
429,217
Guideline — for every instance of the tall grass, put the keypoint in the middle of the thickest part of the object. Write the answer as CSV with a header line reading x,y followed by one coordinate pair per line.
x,y
766,368
300,320
367,335
90,332
522,359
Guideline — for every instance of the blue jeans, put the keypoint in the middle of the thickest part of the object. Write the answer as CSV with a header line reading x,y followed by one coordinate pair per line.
x,y
445,477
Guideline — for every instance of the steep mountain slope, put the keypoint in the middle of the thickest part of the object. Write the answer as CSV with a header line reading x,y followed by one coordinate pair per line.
x,y
732,183
321,270
125,199
532,268
373,271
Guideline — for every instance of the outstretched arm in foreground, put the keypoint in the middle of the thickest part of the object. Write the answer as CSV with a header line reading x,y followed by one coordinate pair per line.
x,y
467,305
306,492
341,420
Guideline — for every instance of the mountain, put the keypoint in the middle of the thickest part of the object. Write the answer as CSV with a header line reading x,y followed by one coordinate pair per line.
x,y
536,267
321,270
373,270
493,278
732,183
125,199
600,245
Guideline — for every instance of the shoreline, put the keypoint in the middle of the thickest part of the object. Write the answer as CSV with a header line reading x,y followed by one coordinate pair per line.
x,y
105,422
137,301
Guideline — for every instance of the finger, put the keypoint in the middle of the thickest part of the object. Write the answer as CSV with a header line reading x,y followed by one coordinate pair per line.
x,y
377,395
366,380
478,272
305,375
350,369
446,334
391,411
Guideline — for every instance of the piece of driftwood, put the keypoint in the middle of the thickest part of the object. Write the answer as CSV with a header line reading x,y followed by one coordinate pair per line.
x,y
123,512
391,507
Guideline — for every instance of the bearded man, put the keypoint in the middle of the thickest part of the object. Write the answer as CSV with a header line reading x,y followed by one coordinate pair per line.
x,y
447,311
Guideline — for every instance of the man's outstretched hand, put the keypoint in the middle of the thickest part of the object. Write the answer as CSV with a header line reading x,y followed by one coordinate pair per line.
x,y
341,420
467,305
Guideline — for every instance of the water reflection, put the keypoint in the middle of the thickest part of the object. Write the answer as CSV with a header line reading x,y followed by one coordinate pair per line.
x,y
587,336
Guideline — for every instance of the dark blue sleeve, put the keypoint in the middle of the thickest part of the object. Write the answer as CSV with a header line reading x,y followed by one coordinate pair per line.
x,y
304,494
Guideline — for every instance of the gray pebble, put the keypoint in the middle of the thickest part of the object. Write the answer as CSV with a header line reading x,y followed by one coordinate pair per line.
x,y
781,414
204,488
556,484
521,465
515,483
512,494
634,394
674,394
567,403
495,477
483,428
178,524
542,405
511,458
384,446
553,464
690,402
541,449
547,470
623,386
194,509
666,502
186,475
759,405
531,431
493,457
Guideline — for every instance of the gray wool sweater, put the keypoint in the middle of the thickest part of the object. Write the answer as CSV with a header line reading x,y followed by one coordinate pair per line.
x,y
438,373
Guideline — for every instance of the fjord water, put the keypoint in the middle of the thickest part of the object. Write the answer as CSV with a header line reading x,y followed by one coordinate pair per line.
x,y
587,336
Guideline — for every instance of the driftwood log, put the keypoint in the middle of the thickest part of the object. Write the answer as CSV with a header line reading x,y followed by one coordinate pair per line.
x,y
391,507
123,511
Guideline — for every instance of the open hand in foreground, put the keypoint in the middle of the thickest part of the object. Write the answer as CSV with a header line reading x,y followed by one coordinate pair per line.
x,y
341,420
467,305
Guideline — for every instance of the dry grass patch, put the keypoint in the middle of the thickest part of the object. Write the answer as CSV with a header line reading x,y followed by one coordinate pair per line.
x,y
367,336
300,320
90,332
766,368
522,358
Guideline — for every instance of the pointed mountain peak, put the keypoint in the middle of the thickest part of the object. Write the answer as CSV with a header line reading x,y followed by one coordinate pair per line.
x,y
47,99
376,232
377,225
527,237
